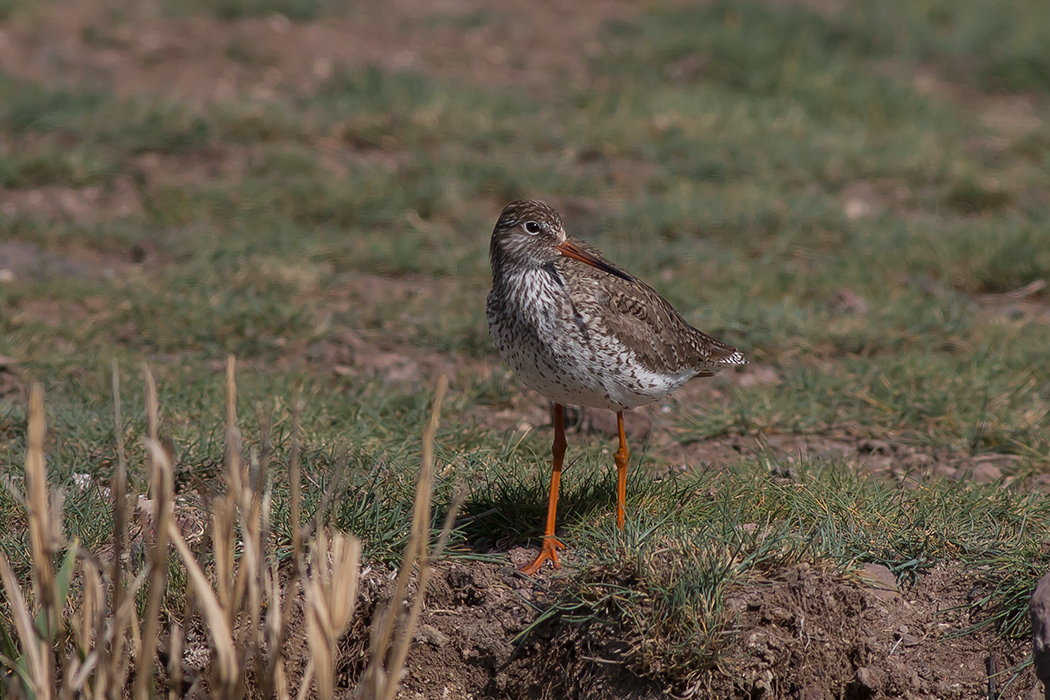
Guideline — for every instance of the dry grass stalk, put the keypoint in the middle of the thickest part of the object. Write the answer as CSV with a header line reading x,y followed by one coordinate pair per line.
x,y
253,518
330,592
273,681
113,664
161,487
294,478
34,671
272,678
380,680
237,593
41,534
38,662
100,629
223,506
87,630
227,671
175,663
247,585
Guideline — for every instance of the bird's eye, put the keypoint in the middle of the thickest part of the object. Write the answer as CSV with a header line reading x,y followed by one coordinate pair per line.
x,y
532,227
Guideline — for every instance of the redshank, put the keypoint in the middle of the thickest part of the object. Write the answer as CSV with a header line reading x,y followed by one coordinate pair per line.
x,y
580,330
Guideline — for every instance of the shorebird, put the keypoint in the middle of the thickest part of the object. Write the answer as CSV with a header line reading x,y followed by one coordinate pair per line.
x,y
581,331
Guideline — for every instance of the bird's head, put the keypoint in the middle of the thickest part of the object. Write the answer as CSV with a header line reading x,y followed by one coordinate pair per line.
x,y
527,234
530,234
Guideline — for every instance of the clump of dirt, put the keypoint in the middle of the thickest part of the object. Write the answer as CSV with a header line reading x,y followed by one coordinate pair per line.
x,y
810,633
469,641
10,383
803,632
79,205
21,259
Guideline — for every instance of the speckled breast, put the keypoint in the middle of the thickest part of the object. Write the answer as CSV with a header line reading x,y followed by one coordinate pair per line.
x,y
566,356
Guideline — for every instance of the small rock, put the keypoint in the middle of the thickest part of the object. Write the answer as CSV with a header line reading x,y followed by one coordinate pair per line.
x,y
1035,693
986,473
322,352
945,689
859,199
432,636
856,208
688,68
1040,482
1015,312
1039,608
848,301
396,368
867,679
880,580
736,604
464,587
142,251
811,692
908,640
764,685
777,615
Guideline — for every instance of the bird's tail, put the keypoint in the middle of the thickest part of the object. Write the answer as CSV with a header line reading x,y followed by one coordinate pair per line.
x,y
736,358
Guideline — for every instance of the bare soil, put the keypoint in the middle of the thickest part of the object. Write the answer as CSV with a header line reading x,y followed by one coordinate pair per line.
x,y
805,632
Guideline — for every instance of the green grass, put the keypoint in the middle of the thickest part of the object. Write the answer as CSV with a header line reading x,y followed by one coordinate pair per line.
x,y
228,10
366,206
774,49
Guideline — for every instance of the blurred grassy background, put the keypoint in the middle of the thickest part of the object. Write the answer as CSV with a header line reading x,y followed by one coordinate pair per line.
x,y
854,193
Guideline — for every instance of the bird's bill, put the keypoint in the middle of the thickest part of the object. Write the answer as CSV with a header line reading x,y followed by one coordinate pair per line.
x,y
571,250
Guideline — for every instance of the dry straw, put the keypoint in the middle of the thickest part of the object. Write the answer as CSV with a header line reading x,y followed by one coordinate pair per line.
x,y
247,605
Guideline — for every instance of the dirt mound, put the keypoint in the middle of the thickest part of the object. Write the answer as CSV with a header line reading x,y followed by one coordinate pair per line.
x,y
805,632
814,634
467,644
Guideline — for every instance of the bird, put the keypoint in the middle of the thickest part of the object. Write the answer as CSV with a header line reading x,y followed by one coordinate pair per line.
x,y
580,330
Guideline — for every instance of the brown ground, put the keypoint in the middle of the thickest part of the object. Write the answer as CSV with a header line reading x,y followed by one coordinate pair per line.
x,y
807,633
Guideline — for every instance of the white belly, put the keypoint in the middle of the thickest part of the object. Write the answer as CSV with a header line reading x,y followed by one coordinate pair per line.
x,y
613,387
554,356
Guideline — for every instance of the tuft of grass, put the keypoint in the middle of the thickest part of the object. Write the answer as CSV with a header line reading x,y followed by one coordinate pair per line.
x,y
132,126
660,584
230,10
243,50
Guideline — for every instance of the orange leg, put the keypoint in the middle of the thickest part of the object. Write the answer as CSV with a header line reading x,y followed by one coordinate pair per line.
x,y
622,457
550,544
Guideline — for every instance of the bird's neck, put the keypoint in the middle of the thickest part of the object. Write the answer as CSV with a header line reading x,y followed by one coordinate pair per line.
x,y
506,265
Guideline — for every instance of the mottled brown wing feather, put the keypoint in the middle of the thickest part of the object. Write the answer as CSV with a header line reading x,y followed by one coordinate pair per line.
x,y
642,319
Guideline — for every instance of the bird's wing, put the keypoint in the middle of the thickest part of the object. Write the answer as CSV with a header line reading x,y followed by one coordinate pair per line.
x,y
640,318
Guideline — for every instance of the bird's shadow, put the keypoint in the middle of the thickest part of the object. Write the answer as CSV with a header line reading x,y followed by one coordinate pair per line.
x,y
509,507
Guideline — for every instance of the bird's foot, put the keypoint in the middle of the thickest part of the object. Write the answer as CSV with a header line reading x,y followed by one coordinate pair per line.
x,y
549,551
